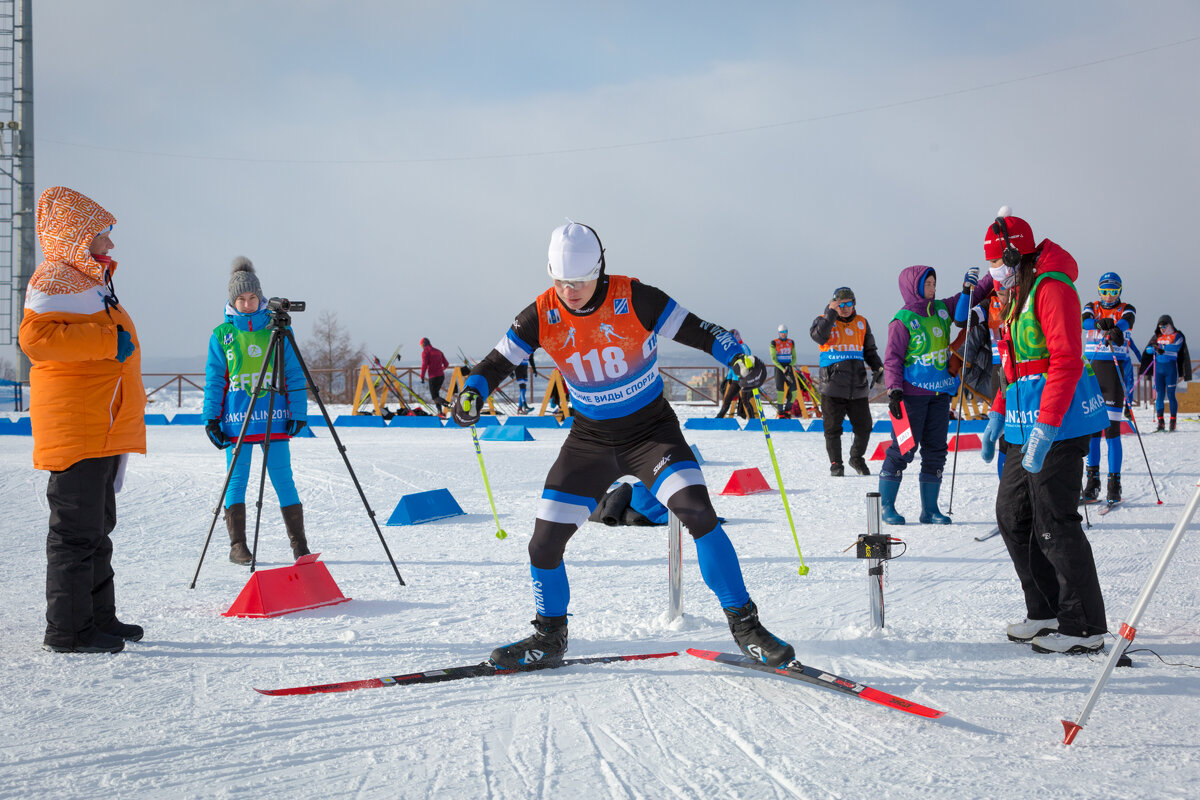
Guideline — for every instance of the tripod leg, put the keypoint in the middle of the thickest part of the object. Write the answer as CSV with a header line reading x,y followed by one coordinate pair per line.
x,y
341,449
237,451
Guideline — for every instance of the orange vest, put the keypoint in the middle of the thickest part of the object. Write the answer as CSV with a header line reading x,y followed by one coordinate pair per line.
x,y
845,341
783,350
608,359
1095,343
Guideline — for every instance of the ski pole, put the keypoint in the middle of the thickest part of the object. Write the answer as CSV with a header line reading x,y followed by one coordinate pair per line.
x,y
1129,411
778,477
962,393
500,534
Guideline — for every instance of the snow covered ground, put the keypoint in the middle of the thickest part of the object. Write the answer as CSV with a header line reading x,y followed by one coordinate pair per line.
x,y
175,715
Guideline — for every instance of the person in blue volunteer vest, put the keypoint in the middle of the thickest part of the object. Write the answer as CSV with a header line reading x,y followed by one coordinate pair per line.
x,y
1047,410
916,368
1167,350
601,331
236,351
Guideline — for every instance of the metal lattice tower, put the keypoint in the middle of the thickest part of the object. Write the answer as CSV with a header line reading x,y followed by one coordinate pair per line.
x,y
16,164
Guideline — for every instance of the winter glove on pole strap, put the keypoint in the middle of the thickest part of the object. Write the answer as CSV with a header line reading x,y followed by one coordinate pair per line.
x,y
970,280
751,371
125,345
466,408
877,377
991,435
1105,324
294,426
895,396
1037,445
216,435
1116,337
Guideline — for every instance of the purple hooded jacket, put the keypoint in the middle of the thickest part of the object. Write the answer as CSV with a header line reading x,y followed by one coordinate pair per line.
x,y
912,283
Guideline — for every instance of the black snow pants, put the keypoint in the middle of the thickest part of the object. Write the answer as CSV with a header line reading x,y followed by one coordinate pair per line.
x,y
833,411
1040,523
79,574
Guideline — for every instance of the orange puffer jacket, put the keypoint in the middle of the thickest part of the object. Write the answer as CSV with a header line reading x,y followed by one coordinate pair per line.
x,y
83,402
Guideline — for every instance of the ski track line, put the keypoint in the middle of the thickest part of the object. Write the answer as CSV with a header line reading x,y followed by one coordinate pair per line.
x,y
617,786
668,755
749,750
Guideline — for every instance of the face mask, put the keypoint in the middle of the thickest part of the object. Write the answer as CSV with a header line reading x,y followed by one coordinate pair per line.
x,y
1004,276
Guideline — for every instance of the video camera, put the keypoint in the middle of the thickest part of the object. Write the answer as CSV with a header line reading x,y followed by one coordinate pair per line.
x,y
285,305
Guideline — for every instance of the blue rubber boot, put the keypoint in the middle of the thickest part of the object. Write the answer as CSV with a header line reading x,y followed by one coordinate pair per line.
x,y
929,504
888,489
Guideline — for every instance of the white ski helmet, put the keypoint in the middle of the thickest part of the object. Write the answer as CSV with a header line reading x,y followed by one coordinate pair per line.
x,y
783,329
575,253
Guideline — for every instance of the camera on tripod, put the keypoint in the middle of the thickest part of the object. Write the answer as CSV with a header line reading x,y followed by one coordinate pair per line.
x,y
285,305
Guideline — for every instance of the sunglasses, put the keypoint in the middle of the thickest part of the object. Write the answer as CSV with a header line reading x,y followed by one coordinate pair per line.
x,y
847,304
1109,292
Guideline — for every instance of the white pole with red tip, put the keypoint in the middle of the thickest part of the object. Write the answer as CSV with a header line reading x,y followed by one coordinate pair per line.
x,y
1129,628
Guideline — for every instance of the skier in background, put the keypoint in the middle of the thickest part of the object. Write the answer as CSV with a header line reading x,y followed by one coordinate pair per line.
x,y
1048,408
236,350
783,354
1106,325
1168,351
433,370
623,426
847,351
522,375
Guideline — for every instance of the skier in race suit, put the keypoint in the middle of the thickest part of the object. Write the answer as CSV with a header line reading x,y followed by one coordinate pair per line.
x,y
783,353
602,331
1047,410
1107,324
1167,351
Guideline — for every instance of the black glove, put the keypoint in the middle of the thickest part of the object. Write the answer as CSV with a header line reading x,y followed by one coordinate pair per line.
x,y
1105,324
1115,337
1128,413
894,398
294,426
466,408
216,435
752,376
877,377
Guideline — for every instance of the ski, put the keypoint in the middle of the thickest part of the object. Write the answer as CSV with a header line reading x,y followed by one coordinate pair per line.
x,y
824,679
986,536
450,674
1109,507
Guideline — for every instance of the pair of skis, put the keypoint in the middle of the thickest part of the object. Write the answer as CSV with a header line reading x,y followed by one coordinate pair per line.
x,y
795,671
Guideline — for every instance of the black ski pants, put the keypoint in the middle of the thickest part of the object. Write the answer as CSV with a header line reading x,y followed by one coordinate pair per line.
x,y
79,574
1039,520
836,409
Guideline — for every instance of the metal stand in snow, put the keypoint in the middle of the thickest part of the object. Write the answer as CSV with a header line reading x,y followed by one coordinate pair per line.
x,y
1128,629
281,332
876,548
674,567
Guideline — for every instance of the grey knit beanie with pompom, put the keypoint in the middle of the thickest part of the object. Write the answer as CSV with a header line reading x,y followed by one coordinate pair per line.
x,y
243,279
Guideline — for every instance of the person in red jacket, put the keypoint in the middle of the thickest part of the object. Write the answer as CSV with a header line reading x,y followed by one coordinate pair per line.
x,y
433,370
1047,410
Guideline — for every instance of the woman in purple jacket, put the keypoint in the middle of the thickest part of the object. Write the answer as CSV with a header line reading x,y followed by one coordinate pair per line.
x,y
916,372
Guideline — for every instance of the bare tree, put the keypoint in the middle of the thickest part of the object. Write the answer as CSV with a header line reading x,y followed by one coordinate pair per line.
x,y
328,353
7,371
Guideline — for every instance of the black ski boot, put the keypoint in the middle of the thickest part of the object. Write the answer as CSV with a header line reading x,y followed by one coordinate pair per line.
x,y
1091,489
755,640
1162,425
859,465
836,469
1114,488
1172,428
547,645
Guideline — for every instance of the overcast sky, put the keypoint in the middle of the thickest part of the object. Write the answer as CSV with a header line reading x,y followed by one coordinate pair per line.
x,y
403,163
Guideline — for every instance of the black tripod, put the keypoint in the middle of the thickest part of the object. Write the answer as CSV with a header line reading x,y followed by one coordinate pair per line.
x,y
281,332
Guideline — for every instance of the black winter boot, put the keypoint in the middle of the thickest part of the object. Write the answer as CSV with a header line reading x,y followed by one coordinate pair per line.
x,y
755,640
1162,425
547,645
1114,488
293,520
1091,489
836,469
235,523
859,465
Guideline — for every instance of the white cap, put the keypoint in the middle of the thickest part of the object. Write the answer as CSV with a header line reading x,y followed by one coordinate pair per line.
x,y
575,253
783,328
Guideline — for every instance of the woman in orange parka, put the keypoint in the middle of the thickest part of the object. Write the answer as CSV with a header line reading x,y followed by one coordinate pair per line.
x,y
86,408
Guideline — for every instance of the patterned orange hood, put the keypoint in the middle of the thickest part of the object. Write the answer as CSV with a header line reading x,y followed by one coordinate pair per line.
x,y
67,221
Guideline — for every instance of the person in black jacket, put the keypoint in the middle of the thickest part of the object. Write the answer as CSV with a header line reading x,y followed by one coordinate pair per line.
x,y
847,350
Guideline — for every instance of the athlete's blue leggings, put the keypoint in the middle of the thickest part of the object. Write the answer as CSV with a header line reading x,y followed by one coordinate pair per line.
x,y
279,467
1164,384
